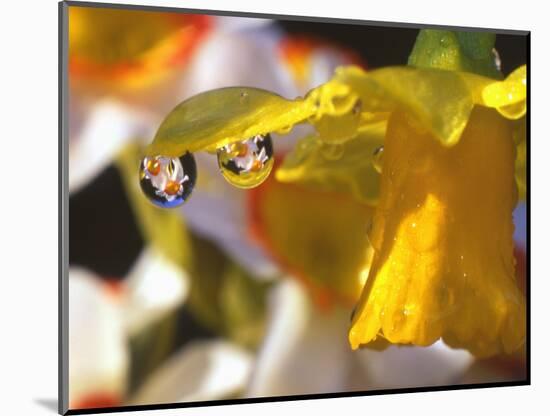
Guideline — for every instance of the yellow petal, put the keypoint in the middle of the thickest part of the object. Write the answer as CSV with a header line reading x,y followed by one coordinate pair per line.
x,y
339,109
508,96
319,237
347,167
441,100
216,118
443,238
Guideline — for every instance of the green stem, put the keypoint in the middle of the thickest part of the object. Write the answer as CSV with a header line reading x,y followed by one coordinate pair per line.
x,y
456,51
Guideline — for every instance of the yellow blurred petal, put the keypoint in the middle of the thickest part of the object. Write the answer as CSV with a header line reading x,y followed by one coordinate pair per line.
x,y
319,237
129,49
521,156
346,167
443,238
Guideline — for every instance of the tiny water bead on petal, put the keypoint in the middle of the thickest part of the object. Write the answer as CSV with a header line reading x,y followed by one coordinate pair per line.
x,y
168,182
377,159
247,164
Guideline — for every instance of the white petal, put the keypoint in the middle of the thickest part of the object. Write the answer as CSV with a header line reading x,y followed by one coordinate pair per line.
x,y
231,24
305,350
405,366
202,370
106,128
155,287
98,353
323,63
234,59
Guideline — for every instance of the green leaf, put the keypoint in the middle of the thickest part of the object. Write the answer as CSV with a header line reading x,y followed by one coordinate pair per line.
x,y
456,51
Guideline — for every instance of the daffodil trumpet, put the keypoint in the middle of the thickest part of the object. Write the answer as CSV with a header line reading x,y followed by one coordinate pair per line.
x,y
443,239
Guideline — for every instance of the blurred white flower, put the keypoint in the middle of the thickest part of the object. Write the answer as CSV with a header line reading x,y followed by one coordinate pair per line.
x,y
306,352
154,286
98,352
202,370
103,315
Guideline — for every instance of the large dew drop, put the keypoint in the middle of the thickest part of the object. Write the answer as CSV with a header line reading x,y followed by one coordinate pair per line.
x,y
247,164
168,182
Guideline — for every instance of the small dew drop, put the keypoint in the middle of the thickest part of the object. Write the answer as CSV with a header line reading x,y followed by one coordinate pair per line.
x,y
168,181
247,164
369,226
378,158
497,60
285,129
356,110
332,151
243,97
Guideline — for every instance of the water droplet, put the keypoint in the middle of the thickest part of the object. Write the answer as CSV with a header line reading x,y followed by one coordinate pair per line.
x,y
445,41
378,159
247,164
496,59
243,98
356,110
168,181
332,151
369,226
284,130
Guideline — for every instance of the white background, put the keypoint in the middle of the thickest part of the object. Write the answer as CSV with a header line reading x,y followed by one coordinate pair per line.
x,y
28,213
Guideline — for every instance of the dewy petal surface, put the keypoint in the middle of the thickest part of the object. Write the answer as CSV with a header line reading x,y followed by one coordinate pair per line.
x,y
215,118
442,234
340,109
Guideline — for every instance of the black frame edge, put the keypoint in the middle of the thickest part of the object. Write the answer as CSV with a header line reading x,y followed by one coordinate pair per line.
x,y
63,204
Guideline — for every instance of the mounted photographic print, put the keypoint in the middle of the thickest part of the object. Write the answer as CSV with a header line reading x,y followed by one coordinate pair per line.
x,y
266,208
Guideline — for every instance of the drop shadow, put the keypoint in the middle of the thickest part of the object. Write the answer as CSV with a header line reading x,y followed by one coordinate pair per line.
x,y
49,404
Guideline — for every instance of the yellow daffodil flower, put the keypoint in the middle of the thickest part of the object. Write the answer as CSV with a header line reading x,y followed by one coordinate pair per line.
x,y
442,233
